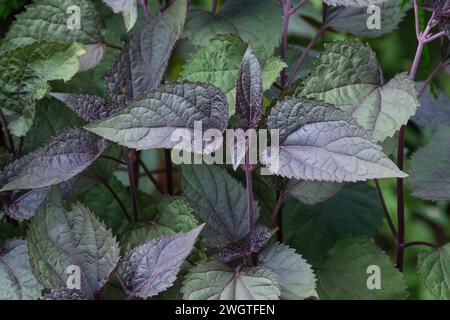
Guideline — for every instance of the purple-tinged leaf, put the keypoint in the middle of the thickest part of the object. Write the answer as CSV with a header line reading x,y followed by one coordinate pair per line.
x,y
432,111
441,7
65,156
89,108
146,55
354,3
150,121
218,200
59,238
119,5
151,268
64,294
253,243
321,143
17,281
249,91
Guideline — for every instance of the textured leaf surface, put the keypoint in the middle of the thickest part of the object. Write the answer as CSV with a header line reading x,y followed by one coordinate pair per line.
x,y
347,75
295,275
218,200
144,58
65,156
89,108
47,20
249,90
433,112
138,234
24,73
313,230
430,168
241,18
59,238
17,281
64,294
434,269
354,20
150,122
94,54
320,142
152,267
219,61
216,281
253,243
312,192
175,213
344,275
119,5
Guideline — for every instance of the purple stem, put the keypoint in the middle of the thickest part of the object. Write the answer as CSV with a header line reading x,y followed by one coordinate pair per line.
x,y
248,179
144,4
286,9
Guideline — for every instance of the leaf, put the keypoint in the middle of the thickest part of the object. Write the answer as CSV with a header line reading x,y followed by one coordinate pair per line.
x,y
89,108
348,76
145,57
119,5
22,204
24,73
218,200
218,63
150,121
434,270
17,281
312,192
176,214
313,230
130,16
256,22
64,294
354,20
152,267
319,142
58,238
138,234
344,275
65,156
253,243
47,20
249,91
353,3
295,275
93,56
433,112
430,168
216,281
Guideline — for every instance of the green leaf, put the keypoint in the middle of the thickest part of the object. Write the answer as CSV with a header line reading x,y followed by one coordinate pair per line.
x,y
347,75
345,274
430,168
256,22
313,230
321,143
130,16
217,281
65,156
17,281
434,270
59,238
295,275
219,61
151,268
24,73
176,214
312,192
150,121
47,20
145,57
218,200
354,20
